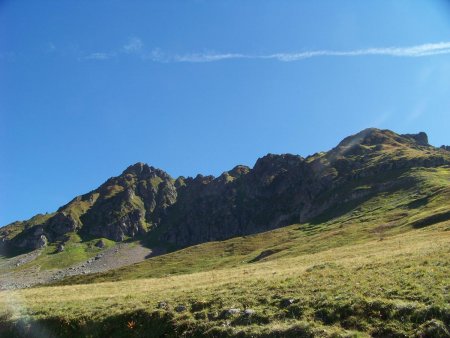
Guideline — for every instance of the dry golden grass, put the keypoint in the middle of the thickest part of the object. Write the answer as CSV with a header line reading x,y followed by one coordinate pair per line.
x,y
97,299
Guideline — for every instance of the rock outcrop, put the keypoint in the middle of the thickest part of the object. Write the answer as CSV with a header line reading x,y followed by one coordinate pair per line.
x,y
41,242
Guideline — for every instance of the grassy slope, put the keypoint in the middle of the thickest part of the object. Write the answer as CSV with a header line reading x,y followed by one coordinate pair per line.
x,y
424,194
376,269
75,251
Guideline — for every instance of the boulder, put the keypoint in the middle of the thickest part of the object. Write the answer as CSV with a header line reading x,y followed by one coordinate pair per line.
x,y
180,308
60,248
41,242
100,244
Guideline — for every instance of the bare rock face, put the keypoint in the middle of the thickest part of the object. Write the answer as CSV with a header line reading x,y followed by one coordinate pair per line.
x,y
41,242
61,224
445,148
247,201
128,225
3,246
140,198
286,189
420,138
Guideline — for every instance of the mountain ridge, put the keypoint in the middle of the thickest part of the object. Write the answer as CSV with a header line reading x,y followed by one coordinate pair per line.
x,y
145,202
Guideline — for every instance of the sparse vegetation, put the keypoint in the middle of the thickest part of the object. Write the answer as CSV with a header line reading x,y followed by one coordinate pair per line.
x,y
75,251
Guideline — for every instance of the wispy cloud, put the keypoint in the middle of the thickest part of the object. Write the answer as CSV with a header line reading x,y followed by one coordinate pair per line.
x,y
135,46
208,57
156,55
412,51
98,56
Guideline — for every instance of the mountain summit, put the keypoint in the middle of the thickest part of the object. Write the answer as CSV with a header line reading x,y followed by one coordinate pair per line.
x,y
147,203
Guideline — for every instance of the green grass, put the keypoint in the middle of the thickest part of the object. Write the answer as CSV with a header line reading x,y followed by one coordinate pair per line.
x,y
368,271
75,251
395,286
78,207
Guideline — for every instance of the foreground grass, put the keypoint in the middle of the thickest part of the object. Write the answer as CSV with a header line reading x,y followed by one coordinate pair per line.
x,y
398,286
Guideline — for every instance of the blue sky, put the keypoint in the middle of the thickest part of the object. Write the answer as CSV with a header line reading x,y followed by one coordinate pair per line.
x,y
90,87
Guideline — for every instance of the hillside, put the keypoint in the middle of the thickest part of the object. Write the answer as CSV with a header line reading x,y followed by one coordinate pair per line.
x,y
381,270
350,242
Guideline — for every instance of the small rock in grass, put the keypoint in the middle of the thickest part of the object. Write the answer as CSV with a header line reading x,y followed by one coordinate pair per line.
x,y
200,315
162,305
248,312
230,312
286,302
234,311
212,315
180,308
100,244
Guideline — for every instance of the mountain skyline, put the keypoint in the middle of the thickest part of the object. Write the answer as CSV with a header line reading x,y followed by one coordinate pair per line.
x,y
146,203
199,86
199,174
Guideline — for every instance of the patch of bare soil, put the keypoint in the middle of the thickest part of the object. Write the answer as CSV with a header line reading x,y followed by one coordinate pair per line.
x,y
122,254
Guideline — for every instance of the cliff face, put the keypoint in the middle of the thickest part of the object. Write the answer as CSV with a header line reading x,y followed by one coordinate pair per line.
x,y
279,190
286,189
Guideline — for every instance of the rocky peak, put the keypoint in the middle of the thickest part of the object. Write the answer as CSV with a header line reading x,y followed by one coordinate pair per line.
x,y
445,147
201,179
373,140
144,171
272,163
420,138
137,168
369,136
238,171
